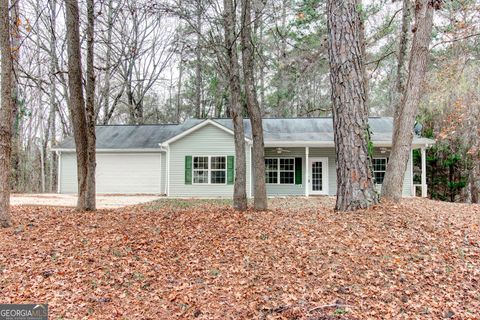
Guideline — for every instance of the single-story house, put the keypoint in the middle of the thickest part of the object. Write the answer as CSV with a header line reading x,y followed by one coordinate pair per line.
x,y
197,158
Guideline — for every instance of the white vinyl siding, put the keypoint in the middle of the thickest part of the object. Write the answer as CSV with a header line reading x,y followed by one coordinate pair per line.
x,y
68,173
116,173
208,141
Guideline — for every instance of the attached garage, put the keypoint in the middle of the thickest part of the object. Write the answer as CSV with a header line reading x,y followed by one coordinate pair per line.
x,y
119,173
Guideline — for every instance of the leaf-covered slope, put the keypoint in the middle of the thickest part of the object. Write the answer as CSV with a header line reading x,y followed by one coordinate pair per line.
x,y
200,259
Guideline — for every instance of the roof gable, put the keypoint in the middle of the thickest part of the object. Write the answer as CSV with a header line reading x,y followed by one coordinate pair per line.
x,y
197,127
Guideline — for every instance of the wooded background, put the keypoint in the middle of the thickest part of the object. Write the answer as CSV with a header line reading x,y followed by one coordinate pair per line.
x,y
165,61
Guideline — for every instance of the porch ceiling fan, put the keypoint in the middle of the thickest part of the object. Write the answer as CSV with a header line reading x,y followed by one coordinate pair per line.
x,y
281,150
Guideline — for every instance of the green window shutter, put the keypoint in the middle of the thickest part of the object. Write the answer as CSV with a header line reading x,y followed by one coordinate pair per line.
x,y
188,169
298,170
230,169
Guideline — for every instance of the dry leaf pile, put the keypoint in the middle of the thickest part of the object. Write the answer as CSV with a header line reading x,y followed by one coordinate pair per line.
x,y
179,259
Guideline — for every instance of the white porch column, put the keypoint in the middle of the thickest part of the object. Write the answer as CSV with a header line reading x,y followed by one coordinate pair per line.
x,y
307,184
412,185
250,170
424,173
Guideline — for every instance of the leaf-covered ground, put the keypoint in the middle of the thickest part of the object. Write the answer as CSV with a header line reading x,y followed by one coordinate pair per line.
x,y
178,259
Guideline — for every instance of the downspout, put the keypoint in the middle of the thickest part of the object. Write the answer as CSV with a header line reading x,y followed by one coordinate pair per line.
x,y
166,148
59,171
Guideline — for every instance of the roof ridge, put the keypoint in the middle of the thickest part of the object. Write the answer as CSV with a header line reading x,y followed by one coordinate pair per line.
x,y
138,125
289,118
203,119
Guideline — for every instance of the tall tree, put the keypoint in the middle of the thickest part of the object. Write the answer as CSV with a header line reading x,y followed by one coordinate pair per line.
x,y
260,200
108,112
402,57
355,188
6,114
198,63
53,91
405,115
90,109
77,101
233,74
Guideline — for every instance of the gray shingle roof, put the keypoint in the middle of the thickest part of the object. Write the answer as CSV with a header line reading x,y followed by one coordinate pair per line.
x,y
275,129
310,129
131,136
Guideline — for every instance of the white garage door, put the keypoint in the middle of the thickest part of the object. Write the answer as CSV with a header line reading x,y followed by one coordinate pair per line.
x,y
116,173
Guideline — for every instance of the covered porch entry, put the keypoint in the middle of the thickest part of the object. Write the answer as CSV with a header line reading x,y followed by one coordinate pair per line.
x,y
311,170
301,171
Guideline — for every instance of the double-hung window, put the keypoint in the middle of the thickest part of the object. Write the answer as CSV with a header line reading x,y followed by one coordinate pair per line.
x,y
379,168
271,170
280,170
209,170
200,170
218,171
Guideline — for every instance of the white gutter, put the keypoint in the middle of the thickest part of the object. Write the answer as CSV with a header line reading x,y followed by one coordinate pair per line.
x,y
384,143
126,150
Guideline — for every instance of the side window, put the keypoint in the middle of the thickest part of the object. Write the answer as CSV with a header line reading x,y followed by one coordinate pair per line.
x,y
200,170
379,167
218,170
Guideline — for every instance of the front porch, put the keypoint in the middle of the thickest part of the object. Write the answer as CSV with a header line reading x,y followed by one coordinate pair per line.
x,y
317,165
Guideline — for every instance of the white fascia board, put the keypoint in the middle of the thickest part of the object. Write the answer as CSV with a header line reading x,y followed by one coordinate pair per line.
x,y
299,144
320,144
144,150
199,126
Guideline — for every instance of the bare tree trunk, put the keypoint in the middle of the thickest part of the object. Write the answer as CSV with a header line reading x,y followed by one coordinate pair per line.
x,y
17,157
404,122
402,55
42,167
77,102
260,201
90,109
53,93
282,99
473,136
108,61
179,86
355,188
6,115
198,64
258,31
233,74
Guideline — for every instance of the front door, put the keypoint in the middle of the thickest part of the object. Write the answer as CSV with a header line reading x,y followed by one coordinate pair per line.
x,y
318,177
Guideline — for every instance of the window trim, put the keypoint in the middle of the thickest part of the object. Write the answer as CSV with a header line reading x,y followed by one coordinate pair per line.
x,y
209,170
272,183
384,171
278,171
